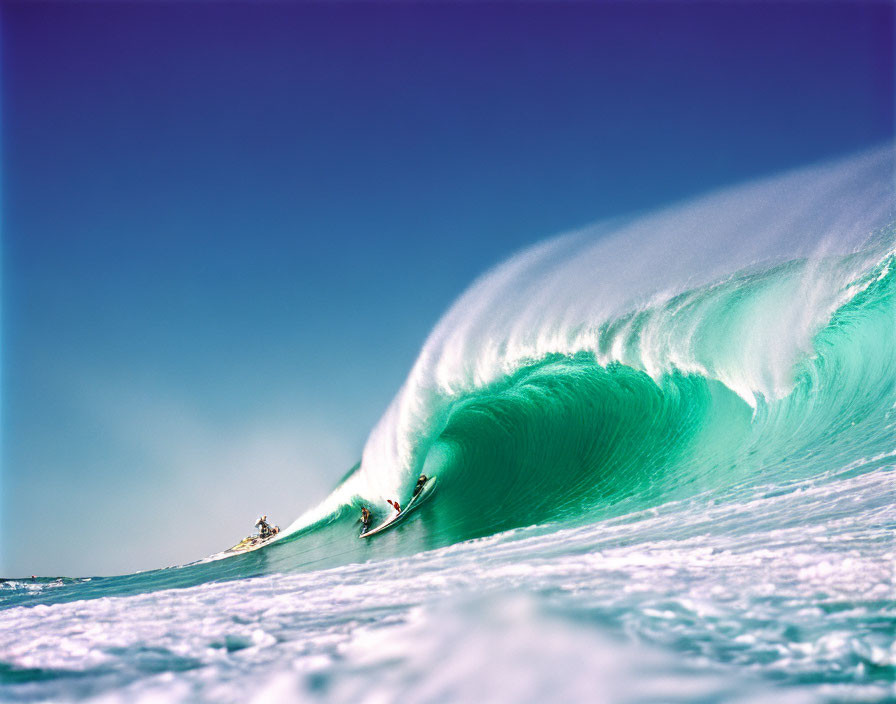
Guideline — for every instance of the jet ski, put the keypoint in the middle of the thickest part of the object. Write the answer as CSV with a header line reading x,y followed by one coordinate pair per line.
x,y
266,534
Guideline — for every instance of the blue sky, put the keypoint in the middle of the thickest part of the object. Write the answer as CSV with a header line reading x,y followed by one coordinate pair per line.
x,y
227,228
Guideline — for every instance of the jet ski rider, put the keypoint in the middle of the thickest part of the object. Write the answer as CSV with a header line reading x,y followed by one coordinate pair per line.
x,y
265,529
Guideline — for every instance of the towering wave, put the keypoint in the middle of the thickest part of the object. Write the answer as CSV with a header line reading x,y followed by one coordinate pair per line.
x,y
651,358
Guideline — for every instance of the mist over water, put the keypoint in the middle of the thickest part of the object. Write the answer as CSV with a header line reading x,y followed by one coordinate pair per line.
x,y
664,445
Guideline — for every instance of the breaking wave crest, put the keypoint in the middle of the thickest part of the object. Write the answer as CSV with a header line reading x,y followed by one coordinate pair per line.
x,y
722,341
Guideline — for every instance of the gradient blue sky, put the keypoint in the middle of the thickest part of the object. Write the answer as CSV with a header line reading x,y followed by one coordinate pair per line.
x,y
228,228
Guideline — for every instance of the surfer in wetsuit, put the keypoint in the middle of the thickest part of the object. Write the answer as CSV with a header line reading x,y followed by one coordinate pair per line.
x,y
420,483
365,517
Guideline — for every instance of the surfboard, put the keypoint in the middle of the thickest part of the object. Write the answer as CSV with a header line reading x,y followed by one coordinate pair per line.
x,y
398,517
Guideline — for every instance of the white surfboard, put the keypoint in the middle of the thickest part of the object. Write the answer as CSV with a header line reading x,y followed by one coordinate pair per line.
x,y
398,517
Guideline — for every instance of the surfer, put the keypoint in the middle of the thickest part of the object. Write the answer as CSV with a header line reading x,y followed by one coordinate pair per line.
x,y
420,483
394,504
265,529
365,517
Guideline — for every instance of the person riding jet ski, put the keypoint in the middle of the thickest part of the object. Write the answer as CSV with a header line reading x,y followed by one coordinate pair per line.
x,y
265,529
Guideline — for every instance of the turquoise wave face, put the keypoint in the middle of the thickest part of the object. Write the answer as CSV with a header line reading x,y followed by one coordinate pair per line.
x,y
567,438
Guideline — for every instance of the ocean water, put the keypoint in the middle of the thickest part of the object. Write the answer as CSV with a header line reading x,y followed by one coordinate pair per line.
x,y
664,452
